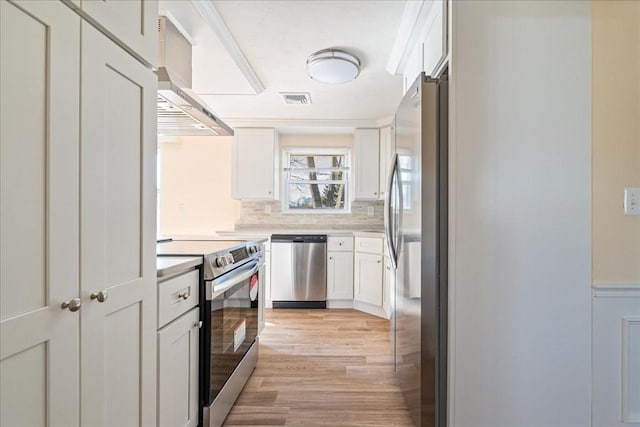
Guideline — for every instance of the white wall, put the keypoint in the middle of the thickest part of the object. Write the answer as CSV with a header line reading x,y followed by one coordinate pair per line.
x,y
616,237
195,187
616,139
520,214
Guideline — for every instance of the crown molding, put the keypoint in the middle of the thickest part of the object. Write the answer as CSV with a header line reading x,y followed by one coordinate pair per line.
x,y
310,126
300,123
417,19
384,121
218,26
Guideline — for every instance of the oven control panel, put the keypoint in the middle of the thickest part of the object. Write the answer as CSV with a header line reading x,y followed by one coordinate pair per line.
x,y
224,260
239,254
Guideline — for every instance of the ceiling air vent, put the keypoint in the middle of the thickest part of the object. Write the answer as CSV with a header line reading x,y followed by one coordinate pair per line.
x,y
296,97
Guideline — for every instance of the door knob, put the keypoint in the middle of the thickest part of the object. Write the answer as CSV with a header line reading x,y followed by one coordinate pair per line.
x,y
72,304
100,296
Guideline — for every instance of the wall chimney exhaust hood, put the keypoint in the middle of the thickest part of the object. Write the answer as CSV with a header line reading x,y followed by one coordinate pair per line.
x,y
180,113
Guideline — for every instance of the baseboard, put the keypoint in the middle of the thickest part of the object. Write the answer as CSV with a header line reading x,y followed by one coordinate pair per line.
x,y
340,303
370,308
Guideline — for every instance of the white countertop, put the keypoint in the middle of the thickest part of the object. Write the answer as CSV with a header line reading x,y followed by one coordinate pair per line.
x,y
170,265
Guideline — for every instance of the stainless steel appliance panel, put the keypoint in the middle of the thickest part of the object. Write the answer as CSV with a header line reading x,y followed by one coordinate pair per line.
x,y
419,235
299,271
309,272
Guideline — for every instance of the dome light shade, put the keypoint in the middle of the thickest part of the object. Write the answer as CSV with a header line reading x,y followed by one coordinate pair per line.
x,y
333,66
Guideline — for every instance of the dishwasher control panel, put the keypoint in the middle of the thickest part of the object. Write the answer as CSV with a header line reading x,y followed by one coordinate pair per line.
x,y
299,238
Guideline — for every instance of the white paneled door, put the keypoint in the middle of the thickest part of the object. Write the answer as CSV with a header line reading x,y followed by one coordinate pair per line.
x,y
117,236
39,199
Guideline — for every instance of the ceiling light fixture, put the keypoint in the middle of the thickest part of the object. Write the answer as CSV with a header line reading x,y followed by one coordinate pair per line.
x,y
333,66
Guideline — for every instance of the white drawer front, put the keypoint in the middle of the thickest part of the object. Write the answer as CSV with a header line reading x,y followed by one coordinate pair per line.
x,y
369,244
340,244
176,296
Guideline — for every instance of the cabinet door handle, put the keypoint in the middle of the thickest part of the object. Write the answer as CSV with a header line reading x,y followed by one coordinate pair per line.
x,y
379,261
330,257
72,305
197,324
100,296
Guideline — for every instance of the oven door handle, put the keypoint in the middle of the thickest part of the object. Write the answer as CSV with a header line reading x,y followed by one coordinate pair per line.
x,y
222,284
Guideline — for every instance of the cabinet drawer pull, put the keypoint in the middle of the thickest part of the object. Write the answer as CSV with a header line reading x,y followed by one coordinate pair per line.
x,y
184,295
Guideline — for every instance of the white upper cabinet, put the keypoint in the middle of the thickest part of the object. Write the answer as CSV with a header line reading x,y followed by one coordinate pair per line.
x,y
422,42
39,219
434,46
255,165
367,164
133,23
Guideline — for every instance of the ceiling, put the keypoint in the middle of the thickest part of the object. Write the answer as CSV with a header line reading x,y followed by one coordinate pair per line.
x,y
275,38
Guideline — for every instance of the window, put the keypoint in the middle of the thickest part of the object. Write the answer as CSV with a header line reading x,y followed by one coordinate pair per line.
x,y
316,179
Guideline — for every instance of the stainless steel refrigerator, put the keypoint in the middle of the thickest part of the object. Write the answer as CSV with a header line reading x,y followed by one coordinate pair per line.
x,y
416,227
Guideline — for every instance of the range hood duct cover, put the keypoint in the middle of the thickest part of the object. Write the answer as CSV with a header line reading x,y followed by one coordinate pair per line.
x,y
180,113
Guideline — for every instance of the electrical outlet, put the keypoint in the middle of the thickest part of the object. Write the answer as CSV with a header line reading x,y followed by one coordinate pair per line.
x,y
267,208
632,201
370,211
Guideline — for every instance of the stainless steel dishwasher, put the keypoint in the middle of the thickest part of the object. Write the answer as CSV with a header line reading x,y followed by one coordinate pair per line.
x,y
299,270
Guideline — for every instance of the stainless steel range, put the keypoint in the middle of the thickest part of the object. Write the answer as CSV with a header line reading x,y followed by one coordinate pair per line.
x,y
231,310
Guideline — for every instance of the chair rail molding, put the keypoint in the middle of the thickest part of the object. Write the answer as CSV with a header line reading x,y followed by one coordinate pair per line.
x,y
616,290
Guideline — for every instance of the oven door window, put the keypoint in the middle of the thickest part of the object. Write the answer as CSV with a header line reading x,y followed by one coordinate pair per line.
x,y
234,327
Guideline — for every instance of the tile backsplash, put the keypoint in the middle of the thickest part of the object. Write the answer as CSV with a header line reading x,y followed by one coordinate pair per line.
x,y
254,215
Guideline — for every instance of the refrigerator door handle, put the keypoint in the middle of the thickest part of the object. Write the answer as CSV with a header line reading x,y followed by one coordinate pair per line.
x,y
388,210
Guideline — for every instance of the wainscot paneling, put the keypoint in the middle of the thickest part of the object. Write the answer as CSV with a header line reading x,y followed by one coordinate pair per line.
x,y
616,355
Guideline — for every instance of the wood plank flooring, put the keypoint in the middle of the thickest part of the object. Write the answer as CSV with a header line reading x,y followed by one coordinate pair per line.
x,y
322,368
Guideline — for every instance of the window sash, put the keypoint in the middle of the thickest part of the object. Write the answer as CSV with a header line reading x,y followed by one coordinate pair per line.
x,y
343,154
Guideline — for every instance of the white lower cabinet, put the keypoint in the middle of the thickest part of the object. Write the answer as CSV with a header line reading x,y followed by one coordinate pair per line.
x,y
178,371
339,275
267,277
387,287
367,279
370,278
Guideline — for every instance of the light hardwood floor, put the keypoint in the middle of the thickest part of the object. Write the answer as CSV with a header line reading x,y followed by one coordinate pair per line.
x,y
322,368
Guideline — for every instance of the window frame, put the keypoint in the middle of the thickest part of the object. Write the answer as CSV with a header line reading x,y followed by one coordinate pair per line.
x,y
289,151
